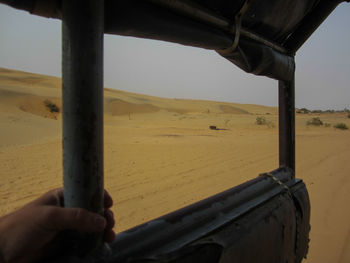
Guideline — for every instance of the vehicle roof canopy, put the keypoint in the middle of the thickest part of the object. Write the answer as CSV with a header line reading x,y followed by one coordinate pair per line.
x,y
261,37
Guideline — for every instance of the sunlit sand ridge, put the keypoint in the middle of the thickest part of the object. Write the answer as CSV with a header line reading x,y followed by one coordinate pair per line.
x,y
160,155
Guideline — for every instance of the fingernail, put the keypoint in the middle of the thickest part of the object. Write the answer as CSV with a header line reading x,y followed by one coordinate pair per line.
x,y
100,222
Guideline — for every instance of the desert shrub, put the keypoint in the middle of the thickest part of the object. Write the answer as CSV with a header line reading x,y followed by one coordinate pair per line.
x,y
341,126
327,125
315,122
51,106
261,120
349,115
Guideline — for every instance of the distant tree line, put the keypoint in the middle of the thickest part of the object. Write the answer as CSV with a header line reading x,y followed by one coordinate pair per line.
x,y
307,111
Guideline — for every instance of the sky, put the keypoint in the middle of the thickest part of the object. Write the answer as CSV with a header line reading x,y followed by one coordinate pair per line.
x,y
31,43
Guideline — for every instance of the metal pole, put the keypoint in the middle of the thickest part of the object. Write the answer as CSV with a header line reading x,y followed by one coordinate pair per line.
x,y
82,81
287,124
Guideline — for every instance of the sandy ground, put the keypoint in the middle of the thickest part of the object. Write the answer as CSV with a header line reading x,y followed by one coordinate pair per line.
x,y
160,155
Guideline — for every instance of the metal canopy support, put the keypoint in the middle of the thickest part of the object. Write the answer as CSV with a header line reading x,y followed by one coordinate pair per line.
x,y
286,90
82,81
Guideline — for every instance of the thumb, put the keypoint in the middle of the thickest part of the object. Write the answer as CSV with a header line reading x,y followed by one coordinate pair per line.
x,y
77,219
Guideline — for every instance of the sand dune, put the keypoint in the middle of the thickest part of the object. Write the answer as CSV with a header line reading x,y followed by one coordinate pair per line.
x,y
120,107
160,155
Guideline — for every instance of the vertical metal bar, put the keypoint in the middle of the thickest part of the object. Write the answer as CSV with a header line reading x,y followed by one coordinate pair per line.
x,y
82,93
286,90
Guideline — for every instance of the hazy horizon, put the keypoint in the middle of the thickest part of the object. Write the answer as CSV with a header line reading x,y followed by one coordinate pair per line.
x,y
31,43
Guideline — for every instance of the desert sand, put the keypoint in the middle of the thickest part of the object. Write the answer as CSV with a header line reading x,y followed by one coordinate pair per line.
x,y
160,155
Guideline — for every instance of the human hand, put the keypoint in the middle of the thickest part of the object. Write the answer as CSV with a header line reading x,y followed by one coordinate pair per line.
x,y
25,233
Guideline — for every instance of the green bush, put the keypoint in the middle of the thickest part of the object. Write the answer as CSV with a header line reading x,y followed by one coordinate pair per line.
x,y
315,122
261,120
51,106
341,126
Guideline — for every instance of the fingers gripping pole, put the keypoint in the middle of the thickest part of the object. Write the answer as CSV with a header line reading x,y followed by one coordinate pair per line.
x,y
82,93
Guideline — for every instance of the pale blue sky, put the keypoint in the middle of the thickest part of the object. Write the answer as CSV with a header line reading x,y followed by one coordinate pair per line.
x,y
32,43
